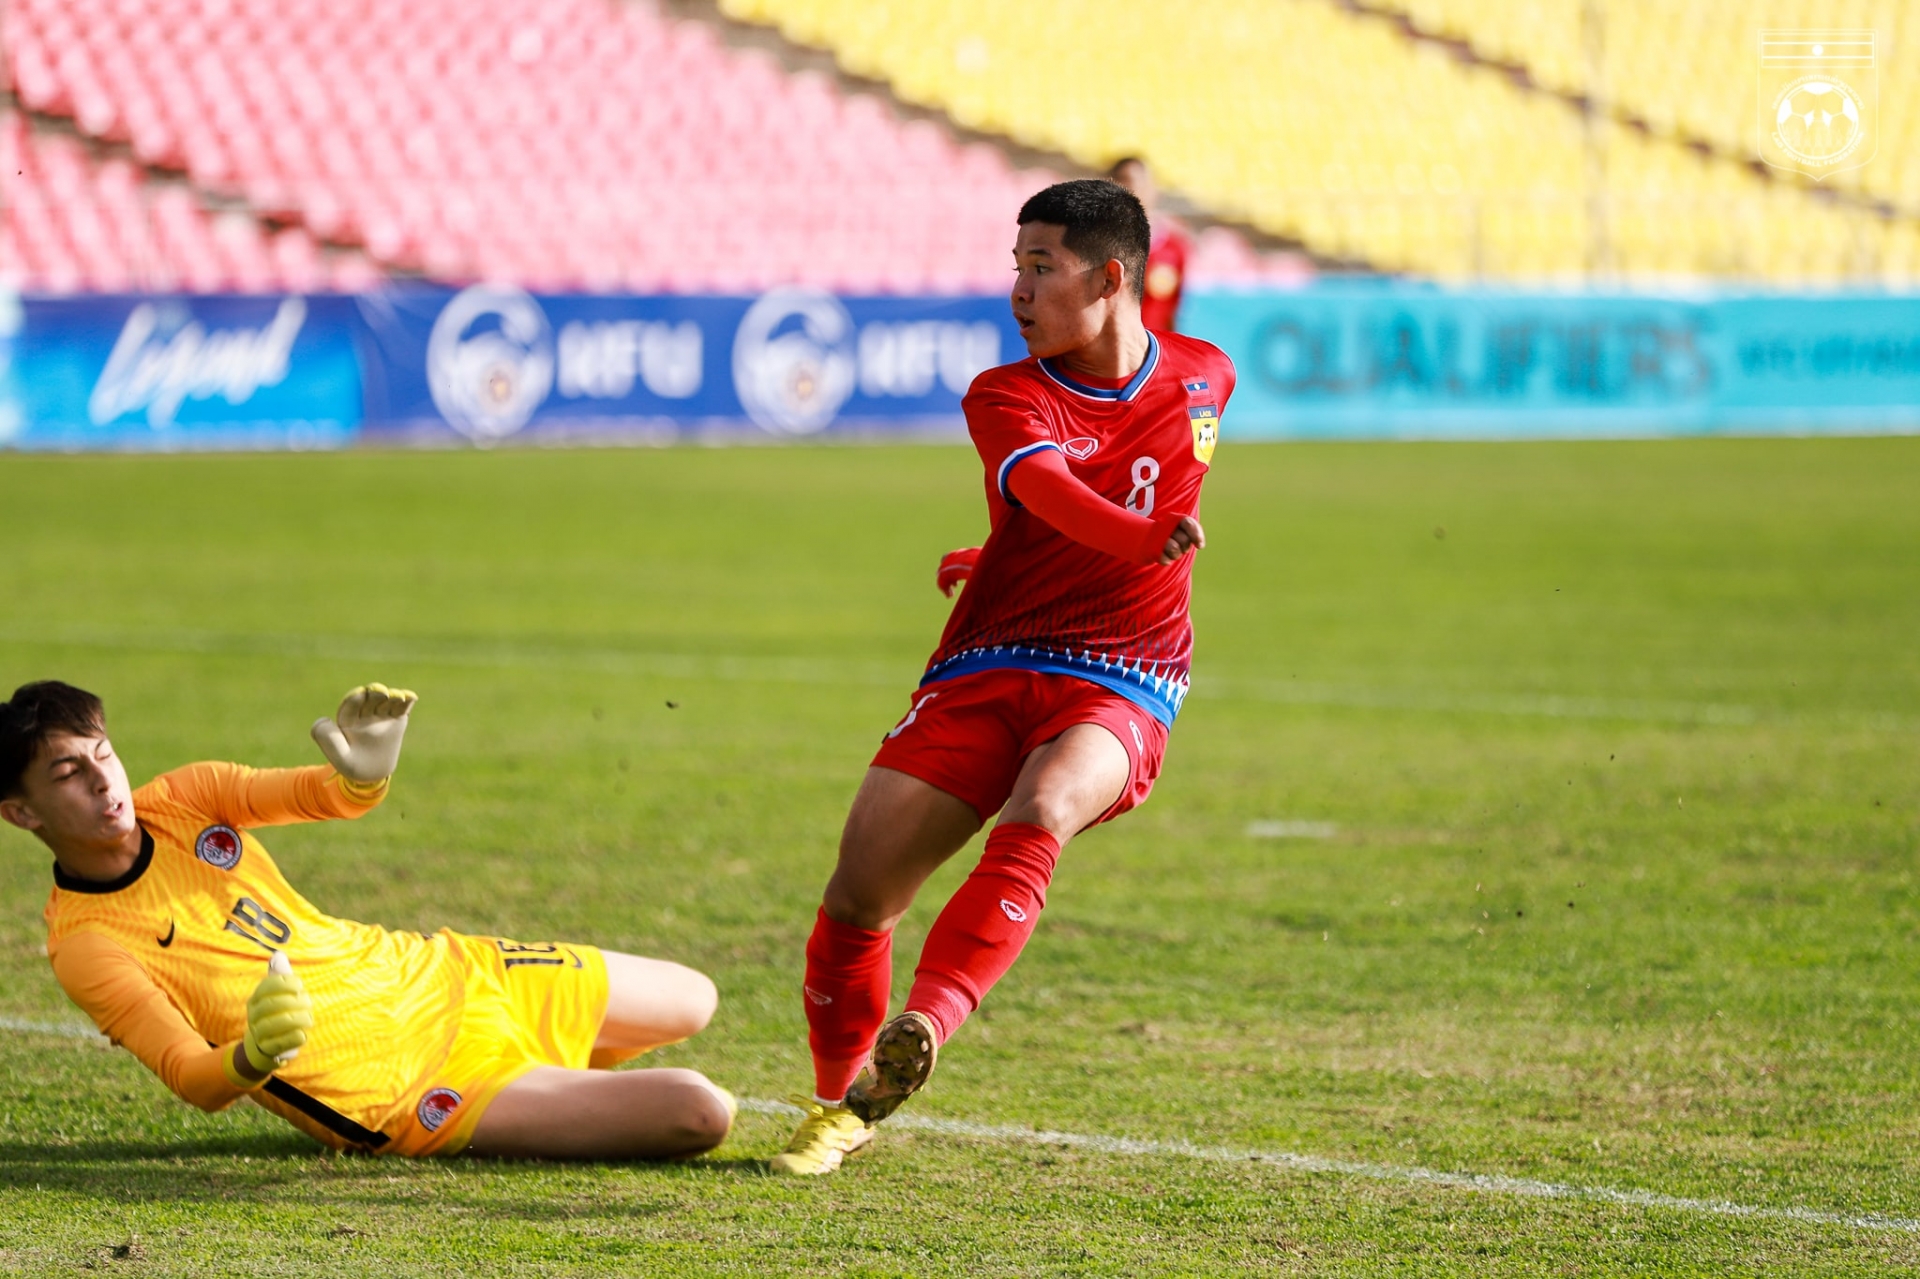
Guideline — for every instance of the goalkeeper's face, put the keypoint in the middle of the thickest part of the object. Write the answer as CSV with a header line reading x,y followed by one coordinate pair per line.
x,y
74,794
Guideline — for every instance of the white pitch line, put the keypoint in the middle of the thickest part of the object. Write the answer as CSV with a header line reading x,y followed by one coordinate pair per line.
x,y
1484,1183
1133,1147
869,674
1288,828
64,1029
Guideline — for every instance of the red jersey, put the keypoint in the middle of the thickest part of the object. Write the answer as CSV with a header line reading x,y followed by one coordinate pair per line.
x,y
1040,601
1166,278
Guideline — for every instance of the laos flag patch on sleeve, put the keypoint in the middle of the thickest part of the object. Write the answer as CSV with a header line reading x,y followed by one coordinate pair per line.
x,y
1206,430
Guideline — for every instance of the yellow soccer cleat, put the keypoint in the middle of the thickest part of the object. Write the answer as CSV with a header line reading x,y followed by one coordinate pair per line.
x,y
903,1058
825,1137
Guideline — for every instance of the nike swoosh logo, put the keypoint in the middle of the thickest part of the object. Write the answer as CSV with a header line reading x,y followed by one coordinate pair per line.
x,y
576,960
168,939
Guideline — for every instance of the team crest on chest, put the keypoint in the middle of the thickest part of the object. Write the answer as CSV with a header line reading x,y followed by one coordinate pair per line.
x,y
219,847
1081,447
1206,430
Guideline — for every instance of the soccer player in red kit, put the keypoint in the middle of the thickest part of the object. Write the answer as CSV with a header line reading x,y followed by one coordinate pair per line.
x,y
1166,275
1061,669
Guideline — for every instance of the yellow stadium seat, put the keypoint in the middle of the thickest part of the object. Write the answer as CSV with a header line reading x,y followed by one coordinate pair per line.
x,y
1312,120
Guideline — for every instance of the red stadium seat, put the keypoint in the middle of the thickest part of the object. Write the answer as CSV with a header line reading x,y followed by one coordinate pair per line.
x,y
70,223
567,143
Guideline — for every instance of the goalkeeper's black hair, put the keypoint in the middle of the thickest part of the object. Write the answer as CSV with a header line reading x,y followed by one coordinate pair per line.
x,y
1103,221
35,712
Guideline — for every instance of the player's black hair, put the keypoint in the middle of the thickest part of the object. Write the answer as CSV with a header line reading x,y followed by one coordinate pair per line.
x,y
34,713
1104,221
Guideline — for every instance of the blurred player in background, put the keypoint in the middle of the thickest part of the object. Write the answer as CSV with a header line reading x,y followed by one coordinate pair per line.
x,y
1166,277
1049,698
167,913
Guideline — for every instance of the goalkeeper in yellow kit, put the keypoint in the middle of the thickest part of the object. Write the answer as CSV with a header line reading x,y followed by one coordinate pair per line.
x,y
171,926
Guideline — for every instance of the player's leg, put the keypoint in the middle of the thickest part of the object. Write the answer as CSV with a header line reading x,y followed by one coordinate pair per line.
x,y
899,831
650,1003
1069,782
555,1113
1064,786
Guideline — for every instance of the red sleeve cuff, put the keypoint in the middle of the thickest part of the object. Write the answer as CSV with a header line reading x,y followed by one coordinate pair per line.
x,y
1153,542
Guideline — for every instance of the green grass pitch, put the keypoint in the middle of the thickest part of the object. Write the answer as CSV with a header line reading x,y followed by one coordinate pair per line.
x,y
1615,745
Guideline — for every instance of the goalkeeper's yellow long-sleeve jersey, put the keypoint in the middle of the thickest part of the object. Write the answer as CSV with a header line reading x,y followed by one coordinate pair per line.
x,y
164,957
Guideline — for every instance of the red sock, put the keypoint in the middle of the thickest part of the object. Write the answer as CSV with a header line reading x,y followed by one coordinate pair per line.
x,y
849,975
982,929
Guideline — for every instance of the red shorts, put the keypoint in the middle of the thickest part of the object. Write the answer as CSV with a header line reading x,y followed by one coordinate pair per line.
x,y
970,735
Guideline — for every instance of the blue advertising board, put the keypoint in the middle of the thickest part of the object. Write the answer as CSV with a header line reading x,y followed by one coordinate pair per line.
x,y
1357,362
181,372
492,362
423,364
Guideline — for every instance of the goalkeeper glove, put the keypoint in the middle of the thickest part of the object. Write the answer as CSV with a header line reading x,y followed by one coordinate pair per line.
x,y
279,1015
955,568
362,740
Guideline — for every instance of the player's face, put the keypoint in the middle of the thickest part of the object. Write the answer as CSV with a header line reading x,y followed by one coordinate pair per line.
x,y
76,794
1058,300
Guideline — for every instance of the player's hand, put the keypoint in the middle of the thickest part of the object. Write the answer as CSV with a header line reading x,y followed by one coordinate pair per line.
x,y
1187,536
955,568
279,1015
362,740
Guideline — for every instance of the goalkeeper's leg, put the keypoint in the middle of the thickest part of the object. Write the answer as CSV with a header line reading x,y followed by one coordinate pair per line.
x,y
650,1003
555,1113
552,1112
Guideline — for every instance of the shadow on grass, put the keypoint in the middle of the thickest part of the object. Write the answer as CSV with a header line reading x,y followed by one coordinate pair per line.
x,y
206,1170
18,1156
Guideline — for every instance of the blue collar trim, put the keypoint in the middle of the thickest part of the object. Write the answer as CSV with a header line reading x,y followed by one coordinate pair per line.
x,y
1123,394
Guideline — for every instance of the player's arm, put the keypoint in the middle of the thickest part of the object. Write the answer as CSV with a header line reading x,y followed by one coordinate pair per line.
x,y
111,987
1029,470
955,568
1042,482
362,744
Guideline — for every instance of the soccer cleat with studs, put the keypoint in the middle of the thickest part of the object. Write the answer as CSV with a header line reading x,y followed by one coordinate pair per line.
x,y
825,1137
903,1058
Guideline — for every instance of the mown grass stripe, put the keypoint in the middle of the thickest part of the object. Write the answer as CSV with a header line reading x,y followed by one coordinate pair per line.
x,y
840,672
1483,1182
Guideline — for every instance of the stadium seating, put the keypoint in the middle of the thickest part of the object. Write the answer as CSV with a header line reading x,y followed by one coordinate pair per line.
x,y
1315,121
1688,70
69,223
577,144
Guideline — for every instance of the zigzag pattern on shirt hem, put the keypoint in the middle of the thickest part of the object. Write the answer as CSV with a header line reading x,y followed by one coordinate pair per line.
x,y
1159,688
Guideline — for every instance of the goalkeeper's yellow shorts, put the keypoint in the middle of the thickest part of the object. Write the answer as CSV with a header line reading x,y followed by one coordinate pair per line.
x,y
528,1004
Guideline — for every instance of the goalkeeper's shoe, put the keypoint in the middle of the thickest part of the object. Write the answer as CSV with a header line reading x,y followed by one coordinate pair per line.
x,y
826,1136
903,1058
